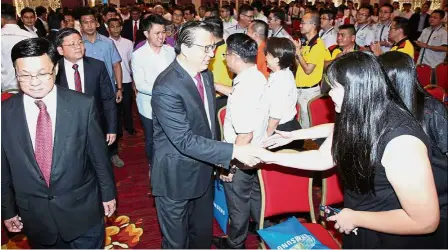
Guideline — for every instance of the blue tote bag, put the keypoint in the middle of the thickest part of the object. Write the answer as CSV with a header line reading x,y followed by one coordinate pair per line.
x,y
290,234
220,210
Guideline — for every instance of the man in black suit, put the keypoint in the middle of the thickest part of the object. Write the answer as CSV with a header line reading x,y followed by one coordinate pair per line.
x,y
416,26
186,149
28,22
93,77
107,13
48,190
41,20
133,27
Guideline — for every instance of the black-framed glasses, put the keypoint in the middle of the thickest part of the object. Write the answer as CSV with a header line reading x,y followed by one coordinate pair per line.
x,y
74,45
207,48
40,77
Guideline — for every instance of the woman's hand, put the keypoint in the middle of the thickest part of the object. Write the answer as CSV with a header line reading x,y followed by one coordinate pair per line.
x,y
345,221
280,138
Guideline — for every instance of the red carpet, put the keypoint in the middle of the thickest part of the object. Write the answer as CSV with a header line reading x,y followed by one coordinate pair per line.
x,y
135,225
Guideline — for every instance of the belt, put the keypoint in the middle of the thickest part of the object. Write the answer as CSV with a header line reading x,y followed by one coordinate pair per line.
x,y
315,85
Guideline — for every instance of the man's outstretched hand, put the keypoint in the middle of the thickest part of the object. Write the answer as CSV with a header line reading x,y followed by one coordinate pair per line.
x,y
246,154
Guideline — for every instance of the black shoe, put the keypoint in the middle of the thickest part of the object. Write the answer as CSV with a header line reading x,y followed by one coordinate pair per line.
x,y
221,243
252,228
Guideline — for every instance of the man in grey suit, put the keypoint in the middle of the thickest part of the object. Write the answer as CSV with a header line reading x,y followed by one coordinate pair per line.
x,y
186,149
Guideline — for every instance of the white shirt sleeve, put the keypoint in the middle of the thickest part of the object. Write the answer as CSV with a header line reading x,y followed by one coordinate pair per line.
x,y
143,77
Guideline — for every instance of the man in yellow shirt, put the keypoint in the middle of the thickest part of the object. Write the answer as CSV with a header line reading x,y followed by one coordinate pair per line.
x,y
310,59
398,33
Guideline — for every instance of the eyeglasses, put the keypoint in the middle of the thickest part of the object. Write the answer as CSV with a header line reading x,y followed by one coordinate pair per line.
x,y
226,54
309,22
250,17
385,12
40,77
362,14
74,45
207,48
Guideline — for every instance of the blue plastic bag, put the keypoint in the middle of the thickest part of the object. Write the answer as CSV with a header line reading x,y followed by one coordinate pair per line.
x,y
220,210
290,234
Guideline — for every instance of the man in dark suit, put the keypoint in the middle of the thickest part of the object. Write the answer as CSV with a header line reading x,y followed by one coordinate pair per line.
x,y
41,20
93,77
107,13
185,145
48,190
133,27
416,25
28,22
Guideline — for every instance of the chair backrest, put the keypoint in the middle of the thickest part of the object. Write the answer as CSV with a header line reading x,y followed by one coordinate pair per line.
x,y
332,189
442,75
424,73
298,112
221,118
285,190
321,110
436,91
6,95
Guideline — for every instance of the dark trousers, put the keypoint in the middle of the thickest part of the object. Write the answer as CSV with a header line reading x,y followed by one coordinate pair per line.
x,y
186,224
125,107
243,201
220,103
149,142
92,239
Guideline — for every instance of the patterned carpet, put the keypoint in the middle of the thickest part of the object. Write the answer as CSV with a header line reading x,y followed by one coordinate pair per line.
x,y
135,225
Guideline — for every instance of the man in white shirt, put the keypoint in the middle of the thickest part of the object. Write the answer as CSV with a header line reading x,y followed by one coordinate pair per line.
x,y
125,47
327,32
246,122
246,15
147,63
365,34
396,9
383,27
226,14
407,11
28,17
433,41
276,21
258,13
11,34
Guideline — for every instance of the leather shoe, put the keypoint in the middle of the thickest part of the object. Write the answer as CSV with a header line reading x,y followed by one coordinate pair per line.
x,y
221,243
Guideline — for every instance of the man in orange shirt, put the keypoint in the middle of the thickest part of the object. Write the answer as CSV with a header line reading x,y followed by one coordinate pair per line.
x,y
258,30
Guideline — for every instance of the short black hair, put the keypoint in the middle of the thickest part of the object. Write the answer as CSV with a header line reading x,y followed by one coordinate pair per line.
x,y
367,7
177,8
440,12
244,9
218,26
228,8
329,13
40,10
257,5
109,9
8,11
136,9
63,33
114,20
279,14
86,12
350,27
402,23
261,28
151,20
191,9
34,47
27,10
186,33
243,46
388,5
283,49
214,12
55,21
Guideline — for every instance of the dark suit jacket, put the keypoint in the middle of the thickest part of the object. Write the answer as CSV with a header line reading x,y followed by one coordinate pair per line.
x,y
40,27
185,148
103,30
97,84
128,31
413,26
72,204
39,32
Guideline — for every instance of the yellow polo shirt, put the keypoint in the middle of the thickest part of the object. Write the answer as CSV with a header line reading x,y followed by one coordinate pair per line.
x,y
313,52
404,46
218,67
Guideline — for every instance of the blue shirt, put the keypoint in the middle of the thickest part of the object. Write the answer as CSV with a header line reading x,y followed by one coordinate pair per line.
x,y
103,49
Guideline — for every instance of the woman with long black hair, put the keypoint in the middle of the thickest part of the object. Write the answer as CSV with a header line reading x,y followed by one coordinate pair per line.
x,y
433,117
382,154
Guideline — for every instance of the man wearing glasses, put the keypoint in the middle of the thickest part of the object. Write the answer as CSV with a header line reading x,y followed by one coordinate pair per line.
x,y
365,34
186,149
246,15
383,27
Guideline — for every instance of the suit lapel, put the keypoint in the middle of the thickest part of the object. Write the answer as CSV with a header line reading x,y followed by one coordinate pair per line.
x,y
23,136
63,125
62,79
210,102
87,85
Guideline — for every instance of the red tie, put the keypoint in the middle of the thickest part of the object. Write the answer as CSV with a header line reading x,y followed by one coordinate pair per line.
x,y
135,31
43,148
200,85
78,86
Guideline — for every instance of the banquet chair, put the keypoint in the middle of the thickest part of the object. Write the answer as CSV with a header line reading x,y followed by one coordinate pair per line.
x,y
424,73
436,91
321,110
221,118
442,75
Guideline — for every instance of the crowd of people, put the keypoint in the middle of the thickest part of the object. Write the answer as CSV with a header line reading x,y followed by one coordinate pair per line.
x,y
77,73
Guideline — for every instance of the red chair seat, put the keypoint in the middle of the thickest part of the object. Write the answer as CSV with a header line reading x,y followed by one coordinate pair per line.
x,y
322,235
436,91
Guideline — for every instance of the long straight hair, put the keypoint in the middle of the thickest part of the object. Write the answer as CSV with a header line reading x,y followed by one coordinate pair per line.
x,y
360,123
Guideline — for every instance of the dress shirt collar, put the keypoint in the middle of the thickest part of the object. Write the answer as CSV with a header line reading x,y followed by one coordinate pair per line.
x,y
31,30
246,74
69,64
97,38
118,40
49,99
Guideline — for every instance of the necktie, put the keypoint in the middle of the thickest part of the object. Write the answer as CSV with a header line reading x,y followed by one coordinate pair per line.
x,y
43,148
200,86
78,86
135,31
